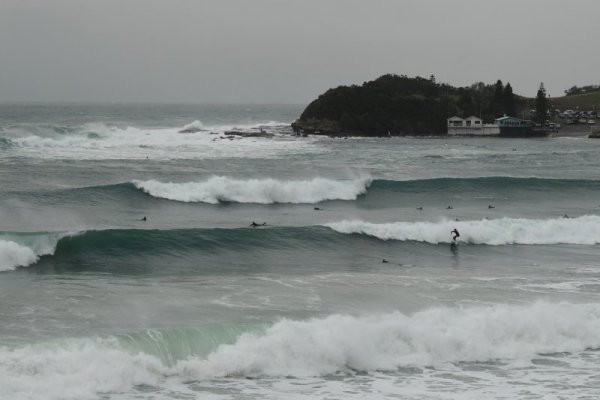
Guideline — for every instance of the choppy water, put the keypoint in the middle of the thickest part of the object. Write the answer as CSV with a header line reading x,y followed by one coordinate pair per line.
x,y
96,303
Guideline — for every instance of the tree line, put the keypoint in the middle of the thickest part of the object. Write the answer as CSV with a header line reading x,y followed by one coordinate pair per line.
x,y
398,104
583,89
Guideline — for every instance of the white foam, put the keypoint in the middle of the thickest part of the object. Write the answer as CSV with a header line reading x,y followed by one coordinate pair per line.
x,y
21,251
583,230
196,125
94,141
93,368
387,342
568,286
262,191
75,369
14,255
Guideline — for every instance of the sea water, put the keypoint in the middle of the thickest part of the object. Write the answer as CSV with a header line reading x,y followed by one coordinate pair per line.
x,y
350,291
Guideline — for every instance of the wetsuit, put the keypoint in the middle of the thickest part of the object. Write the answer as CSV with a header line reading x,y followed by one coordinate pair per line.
x,y
456,234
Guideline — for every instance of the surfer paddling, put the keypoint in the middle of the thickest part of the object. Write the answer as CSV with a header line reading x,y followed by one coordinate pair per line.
x,y
254,224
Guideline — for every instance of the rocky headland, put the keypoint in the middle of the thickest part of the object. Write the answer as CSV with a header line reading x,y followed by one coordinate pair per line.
x,y
396,105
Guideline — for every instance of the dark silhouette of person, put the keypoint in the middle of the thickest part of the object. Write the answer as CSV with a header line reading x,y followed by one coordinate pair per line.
x,y
456,234
254,224
420,208
144,219
449,208
491,206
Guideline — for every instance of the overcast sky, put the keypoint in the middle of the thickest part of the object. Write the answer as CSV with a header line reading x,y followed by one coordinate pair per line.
x,y
261,51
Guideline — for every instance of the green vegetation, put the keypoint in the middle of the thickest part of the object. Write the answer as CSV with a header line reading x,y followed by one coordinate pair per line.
x,y
541,104
581,90
585,101
399,105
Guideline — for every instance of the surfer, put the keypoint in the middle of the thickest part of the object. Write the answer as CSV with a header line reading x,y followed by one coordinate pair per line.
x,y
449,208
317,209
144,219
491,206
254,224
420,208
384,261
456,235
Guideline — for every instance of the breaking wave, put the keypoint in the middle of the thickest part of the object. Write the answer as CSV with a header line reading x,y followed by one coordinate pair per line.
x,y
193,126
22,250
262,191
97,140
583,230
387,342
91,368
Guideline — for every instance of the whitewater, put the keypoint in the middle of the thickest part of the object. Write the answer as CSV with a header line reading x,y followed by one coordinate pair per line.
x,y
130,266
584,230
262,191
338,344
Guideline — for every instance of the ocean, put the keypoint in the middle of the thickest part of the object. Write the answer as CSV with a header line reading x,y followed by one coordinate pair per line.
x,y
129,269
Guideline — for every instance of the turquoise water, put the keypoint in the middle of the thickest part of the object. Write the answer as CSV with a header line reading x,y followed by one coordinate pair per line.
x,y
351,290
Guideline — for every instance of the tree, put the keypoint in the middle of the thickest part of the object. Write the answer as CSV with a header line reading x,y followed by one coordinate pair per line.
x,y
541,104
498,92
509,100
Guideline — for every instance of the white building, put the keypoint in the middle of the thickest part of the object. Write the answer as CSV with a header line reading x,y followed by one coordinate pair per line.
x,y
471,126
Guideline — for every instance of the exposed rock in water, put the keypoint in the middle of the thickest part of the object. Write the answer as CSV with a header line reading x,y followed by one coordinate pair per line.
x,y
249,134
191,130
317,126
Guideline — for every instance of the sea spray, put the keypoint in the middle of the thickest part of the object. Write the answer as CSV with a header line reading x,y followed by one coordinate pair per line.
x,y
74,369
14,255
99,141
341,343
262,191
21,250
583,230
193,127
89,368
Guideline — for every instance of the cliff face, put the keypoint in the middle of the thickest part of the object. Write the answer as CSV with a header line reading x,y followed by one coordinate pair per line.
x,y
317,126
395,105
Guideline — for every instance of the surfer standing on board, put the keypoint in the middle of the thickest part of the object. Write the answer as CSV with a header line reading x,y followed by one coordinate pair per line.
x,y
456,234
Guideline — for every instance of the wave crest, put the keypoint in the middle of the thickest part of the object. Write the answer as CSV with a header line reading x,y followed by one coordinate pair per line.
x,y
583,230
22,250
192,127
262,191
387,342
86,368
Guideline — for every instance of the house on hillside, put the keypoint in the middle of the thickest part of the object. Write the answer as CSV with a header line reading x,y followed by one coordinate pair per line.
x,y
471,126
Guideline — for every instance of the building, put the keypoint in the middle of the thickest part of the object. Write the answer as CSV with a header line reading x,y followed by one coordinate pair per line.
x,y
517,127
512,122
471,126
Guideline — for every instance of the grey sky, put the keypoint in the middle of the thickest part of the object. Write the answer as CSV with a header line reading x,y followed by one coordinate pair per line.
x,y
286,50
